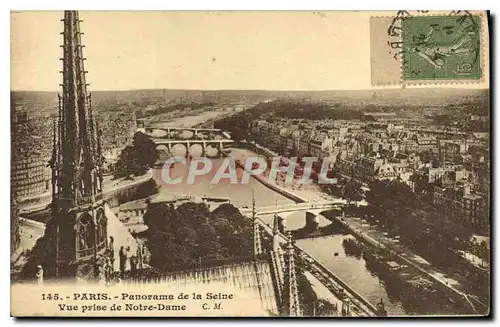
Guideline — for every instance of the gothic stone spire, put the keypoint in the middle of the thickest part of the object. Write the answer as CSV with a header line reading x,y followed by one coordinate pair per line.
x,y
290,303
78,229
78,177
257,243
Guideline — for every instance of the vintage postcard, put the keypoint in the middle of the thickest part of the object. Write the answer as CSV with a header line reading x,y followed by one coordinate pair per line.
x,y
258,164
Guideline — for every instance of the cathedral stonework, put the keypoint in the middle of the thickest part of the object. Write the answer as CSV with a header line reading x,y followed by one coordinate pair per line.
x,y
78,227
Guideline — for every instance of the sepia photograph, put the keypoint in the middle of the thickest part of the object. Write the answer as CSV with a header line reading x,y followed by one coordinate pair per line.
x,y
250,164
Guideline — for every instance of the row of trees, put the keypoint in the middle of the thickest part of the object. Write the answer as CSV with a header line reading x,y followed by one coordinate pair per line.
x,y
425,227
347,188
313,111
179,238
136,159
239,124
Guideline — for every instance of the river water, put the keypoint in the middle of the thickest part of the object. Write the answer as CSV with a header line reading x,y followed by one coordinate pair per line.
x,y
202,186
354,270
351,269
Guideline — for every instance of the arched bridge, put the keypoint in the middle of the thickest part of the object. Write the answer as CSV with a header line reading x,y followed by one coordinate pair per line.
x,y
171,129
188,141
193,148
185,133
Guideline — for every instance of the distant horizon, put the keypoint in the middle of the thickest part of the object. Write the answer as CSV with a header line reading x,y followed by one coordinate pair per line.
x,y
287,51
277,90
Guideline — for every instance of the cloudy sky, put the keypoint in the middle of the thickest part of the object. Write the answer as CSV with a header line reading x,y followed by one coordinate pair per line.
x,y
198,50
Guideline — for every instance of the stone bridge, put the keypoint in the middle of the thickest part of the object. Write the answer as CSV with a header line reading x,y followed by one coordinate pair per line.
x,y
171,130
185,133
312,207
188,142
191,148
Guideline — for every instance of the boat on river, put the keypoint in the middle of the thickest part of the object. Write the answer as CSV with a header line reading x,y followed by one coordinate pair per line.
x,y
422,290
352,247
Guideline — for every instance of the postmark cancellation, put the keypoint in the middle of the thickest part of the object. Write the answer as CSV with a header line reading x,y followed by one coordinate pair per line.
x,y
420,48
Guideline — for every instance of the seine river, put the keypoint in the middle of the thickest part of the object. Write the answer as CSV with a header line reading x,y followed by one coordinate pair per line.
x,y
352,269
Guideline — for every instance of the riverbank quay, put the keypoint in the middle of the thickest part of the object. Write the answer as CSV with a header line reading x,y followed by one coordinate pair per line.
x,y
240,155
299,193
308,192
372,236
274,187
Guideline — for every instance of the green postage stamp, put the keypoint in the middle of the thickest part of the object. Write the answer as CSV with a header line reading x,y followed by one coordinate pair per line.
x,y
441,47
423,47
